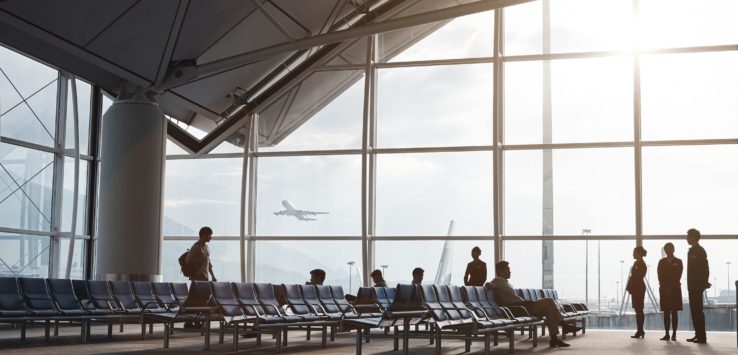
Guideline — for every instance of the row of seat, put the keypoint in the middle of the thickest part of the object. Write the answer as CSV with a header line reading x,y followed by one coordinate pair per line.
x,y
571,312
25,300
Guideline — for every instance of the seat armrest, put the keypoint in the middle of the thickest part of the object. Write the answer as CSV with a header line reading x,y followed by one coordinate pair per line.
x,y
517,311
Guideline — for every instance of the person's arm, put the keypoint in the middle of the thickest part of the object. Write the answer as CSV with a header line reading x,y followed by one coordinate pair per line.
x,y
705,270
210,269
484,271
679,271
661,272
466,275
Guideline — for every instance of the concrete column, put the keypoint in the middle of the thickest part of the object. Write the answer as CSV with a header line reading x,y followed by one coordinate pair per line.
x,y
131,191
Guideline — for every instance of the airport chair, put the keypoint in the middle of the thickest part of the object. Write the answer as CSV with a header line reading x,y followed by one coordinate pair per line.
x,y
383,301
366,302
163,293
230,312
310,295
331,306
100,296
407,309
65,299
12,307
297,304
35,292
266,296
145,297
180,292
195,307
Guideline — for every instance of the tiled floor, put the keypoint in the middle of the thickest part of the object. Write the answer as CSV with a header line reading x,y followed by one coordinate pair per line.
x,y
594,342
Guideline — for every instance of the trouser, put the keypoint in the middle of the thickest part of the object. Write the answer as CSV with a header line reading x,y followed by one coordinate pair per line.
x,y
698,316
545,308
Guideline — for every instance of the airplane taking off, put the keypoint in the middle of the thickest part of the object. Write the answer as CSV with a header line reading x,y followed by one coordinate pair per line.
x,y
290,210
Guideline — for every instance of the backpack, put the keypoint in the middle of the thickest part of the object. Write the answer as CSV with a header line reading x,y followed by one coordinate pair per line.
x,y
184,266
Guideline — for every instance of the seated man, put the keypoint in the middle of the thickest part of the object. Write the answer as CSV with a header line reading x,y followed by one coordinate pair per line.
x,y
317,277
542,308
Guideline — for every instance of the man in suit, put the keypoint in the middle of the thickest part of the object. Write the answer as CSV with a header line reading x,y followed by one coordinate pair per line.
x,y
698,272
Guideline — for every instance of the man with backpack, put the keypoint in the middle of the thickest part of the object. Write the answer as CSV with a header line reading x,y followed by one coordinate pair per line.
x,y
197,261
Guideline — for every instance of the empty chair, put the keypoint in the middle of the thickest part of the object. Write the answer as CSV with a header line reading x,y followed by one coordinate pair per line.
x,y
123,294
195,306
100,296
37,297
297,304
163,293
310,295
438,313
11,301
62,292
265,295
180,292
454,293
330,305
146,299
246,295
230,312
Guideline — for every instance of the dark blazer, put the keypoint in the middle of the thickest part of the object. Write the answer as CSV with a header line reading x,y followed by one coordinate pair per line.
x,y
670,285
698,269
635,280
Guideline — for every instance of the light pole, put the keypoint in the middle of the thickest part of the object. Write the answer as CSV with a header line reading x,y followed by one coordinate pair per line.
x,y
728,263
384,269
622,264
351,265
586,232
617,288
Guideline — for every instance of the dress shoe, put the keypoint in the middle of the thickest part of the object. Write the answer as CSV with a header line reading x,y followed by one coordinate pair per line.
x,y
665,337
692,339
556,343
673,337
638,335
700,341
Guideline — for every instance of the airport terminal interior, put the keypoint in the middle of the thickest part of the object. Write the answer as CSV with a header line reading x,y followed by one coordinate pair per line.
x,y
325,142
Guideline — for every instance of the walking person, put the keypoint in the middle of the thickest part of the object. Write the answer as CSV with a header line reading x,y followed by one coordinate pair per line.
x,y
670,290
636,286
198,258
476,270
698,272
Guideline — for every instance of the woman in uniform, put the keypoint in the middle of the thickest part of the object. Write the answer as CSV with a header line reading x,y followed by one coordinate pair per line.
x,y
637,288
670,289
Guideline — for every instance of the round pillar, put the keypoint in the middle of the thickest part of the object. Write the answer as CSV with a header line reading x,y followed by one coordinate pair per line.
x,y
132,164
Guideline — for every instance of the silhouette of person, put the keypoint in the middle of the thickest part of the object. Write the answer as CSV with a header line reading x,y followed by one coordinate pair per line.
x,y
546,307
636,286
418,276
698,272
476,270
199,257
317,276
377,278
670,289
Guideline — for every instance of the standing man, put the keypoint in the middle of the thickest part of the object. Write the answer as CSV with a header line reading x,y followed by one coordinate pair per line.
x,y
476,270
698,272
199,257
418,276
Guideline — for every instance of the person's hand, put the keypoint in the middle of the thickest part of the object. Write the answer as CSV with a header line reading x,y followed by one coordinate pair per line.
x,y
708,285
215,280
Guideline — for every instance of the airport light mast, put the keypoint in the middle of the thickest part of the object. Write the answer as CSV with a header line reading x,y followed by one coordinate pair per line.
x,y
351,265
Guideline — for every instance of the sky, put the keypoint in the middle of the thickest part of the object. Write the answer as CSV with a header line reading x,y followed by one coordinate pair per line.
x,y
683,96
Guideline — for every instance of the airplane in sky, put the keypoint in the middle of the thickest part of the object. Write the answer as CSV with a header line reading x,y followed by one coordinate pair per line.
x,y
443,274
290,210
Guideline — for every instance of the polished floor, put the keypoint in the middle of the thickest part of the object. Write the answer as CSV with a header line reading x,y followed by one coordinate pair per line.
x,y
594,342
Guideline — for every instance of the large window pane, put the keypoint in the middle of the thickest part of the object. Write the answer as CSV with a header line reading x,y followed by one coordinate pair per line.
x,y
591,101
591,189
325,112
78,260
682,23
690,187
524,28
401,257
68,196
589,25
26,178
435,106
689,96
288,186
290,262
463,37
203,192
24,255
419,194
224,256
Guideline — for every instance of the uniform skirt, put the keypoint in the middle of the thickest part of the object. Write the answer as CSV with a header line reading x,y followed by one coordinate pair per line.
x,y
670,298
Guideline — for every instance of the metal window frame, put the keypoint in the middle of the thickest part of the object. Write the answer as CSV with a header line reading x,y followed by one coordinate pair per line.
x,y
369,152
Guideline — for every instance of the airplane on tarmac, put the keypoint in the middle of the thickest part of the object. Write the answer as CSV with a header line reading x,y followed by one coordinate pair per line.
x,y
290,210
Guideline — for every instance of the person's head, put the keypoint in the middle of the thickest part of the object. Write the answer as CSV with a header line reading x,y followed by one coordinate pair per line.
x,y
476,252
693,236
669,249
376,276
639,252
502,269
206,234
418,275
317,276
